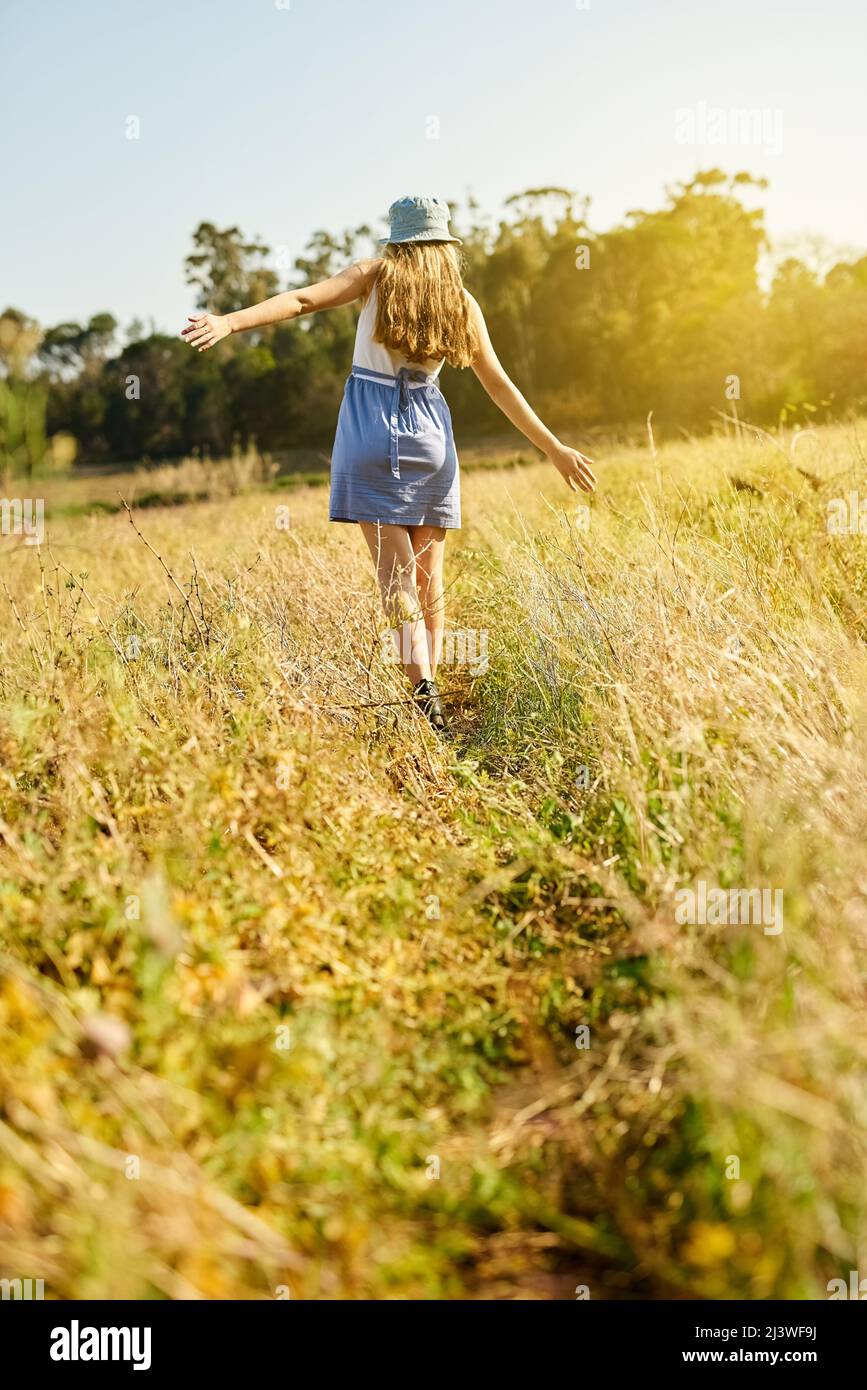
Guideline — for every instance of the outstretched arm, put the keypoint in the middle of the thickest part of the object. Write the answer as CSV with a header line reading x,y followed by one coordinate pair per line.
x,y
204,330
571,465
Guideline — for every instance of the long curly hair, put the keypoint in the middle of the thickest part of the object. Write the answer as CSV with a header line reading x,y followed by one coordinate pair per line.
x,y
422,310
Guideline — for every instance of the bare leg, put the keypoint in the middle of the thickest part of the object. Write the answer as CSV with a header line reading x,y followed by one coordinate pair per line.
x,y
394,558
429,547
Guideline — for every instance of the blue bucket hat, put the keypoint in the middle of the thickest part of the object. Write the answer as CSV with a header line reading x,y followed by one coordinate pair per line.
x,y
418,219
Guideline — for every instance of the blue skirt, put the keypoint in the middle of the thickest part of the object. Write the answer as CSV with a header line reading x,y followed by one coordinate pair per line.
x,y
394,458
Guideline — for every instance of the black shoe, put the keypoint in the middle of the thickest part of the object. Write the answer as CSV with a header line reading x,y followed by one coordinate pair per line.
x,y
427,697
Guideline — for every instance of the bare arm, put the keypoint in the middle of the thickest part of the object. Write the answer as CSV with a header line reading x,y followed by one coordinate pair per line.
x,y
204,330
572,465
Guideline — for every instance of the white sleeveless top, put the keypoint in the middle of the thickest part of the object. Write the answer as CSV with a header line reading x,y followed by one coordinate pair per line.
x,y
376,357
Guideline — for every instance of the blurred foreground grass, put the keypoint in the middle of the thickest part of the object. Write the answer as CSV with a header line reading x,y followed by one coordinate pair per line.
x,y
290,991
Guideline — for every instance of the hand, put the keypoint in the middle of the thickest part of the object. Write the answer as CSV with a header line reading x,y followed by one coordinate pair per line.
x,y
204,331
574,468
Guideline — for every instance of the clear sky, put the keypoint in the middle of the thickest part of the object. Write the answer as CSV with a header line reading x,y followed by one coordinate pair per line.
x,y
285,116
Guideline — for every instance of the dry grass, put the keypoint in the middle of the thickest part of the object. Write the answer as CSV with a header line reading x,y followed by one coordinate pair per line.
x,y
338,950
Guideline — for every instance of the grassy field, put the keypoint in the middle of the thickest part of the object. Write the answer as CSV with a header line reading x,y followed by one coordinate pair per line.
x,y
297,1000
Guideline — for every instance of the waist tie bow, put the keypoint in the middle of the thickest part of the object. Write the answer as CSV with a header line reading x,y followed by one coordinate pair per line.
x,y
402,404
408,380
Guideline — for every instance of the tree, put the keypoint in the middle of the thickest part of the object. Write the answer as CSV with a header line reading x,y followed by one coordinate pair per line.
x,y
659,313
228,270
69,347
22,397
20,337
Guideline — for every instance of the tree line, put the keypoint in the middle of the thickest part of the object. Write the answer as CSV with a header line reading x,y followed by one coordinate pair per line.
x,y
684,311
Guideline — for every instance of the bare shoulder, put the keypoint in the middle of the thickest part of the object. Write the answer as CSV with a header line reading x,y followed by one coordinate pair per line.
x,y
477,317
344,287
367,271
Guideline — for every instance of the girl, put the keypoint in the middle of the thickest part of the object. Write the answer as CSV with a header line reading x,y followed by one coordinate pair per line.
x,y
394,467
